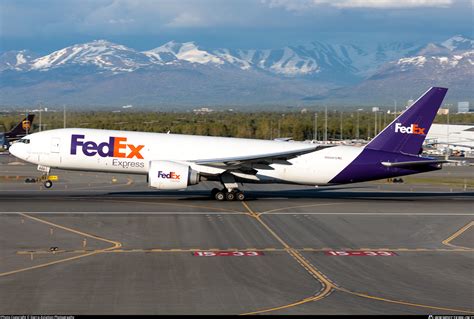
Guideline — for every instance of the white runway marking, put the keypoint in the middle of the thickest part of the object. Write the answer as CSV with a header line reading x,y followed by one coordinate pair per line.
x,y
130,213
243,213
375,214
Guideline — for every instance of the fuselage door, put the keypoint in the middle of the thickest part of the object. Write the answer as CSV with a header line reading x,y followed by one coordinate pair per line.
x,y
55,145
54,154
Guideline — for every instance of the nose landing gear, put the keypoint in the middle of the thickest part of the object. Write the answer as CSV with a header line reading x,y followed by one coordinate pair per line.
x,y
46,179
48,183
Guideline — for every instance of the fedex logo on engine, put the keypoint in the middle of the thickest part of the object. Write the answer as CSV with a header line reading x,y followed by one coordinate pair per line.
x,y
115,147
170,175
413,129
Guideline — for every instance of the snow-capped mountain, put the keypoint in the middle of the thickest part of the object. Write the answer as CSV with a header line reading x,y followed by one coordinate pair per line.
x,y
465,60
16,60
458,43
449,64
188,51
102,54
453,55
297,71
315,59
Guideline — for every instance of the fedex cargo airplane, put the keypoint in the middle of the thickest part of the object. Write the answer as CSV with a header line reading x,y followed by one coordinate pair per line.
x,y
174,161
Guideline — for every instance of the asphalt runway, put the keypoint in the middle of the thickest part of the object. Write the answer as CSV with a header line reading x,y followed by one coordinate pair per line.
x,y
107,244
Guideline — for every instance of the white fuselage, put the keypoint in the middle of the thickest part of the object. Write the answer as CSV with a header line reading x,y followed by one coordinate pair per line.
x,y
91,150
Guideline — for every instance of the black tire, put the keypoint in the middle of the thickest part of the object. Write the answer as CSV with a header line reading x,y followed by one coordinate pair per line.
x,y
214,192
230,196
48,184
240,196
220,196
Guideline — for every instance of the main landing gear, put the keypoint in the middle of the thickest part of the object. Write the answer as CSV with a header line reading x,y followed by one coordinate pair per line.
x,y
230,191
224,194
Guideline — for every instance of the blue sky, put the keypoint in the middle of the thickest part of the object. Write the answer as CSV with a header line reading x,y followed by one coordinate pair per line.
x,y
47,25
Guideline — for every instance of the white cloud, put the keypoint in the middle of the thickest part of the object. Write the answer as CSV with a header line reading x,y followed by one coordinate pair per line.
x,y
121,21
393,3
187,19
301,5
117,18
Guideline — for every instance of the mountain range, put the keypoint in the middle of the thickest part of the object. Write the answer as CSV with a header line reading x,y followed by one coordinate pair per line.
x,y
182,74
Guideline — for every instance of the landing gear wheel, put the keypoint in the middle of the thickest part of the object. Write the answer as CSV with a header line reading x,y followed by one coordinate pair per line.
x,y
240,196
230,196
48,184
214,192
220,196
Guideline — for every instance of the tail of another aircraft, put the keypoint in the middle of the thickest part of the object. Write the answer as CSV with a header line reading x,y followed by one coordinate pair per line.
x,y
407,132
22,128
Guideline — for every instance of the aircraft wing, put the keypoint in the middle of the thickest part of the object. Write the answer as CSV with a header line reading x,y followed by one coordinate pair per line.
x,y
261,161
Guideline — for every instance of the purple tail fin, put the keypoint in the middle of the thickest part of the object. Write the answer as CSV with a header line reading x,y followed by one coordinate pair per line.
x,y
408,131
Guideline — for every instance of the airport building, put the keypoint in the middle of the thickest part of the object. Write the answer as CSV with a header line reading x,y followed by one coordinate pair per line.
x,y
442,111
459,138
463,107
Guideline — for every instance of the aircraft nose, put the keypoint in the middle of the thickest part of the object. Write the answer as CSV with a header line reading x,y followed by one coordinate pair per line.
x,y
15,150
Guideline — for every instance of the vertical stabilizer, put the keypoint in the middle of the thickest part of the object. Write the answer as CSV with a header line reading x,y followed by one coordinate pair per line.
x,y
21,128
408,131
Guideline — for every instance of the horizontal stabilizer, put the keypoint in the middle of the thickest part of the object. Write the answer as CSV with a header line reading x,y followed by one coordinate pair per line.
x,y
413,163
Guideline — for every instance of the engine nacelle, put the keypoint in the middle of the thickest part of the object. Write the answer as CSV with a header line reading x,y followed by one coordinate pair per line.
x,y
171,175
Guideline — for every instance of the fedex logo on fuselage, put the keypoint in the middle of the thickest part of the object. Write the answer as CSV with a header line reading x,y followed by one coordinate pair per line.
x,y
170,175
115,147
413,129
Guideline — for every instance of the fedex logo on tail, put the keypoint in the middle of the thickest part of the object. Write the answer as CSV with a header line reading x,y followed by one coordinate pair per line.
x,y
115,147
413,129
170,175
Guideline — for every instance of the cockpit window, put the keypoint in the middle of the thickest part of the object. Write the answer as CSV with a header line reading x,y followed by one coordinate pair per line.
x,y
23,140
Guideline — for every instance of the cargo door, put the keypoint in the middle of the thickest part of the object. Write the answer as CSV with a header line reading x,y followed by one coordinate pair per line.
x,y
55,151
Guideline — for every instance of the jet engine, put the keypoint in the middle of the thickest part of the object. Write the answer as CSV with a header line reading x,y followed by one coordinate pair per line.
x,y
171,175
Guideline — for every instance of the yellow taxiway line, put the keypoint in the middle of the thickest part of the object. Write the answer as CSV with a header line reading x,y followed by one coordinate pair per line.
x,y
329,286
116,245
457,234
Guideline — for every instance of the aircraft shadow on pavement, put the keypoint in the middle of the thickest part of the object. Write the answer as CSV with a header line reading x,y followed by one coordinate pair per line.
x,y
323,193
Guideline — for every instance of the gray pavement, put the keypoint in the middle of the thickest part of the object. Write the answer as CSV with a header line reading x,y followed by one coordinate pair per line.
x,y
107,244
